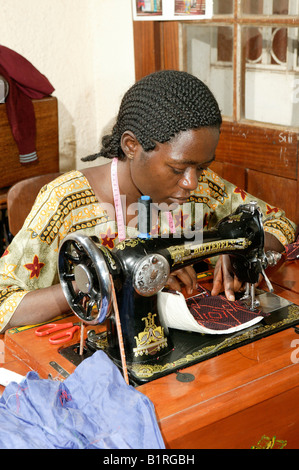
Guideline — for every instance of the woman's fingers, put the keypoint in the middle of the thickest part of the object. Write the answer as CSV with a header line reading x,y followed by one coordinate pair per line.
x,y
225,279
184,276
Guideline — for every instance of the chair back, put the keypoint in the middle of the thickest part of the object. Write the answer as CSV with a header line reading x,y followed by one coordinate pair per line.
x,y
21,197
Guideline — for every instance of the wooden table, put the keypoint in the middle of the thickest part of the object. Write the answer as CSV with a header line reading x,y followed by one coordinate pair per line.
x,y
244,398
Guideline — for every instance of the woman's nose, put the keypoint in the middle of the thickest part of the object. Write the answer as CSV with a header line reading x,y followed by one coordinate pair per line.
x,y
189,180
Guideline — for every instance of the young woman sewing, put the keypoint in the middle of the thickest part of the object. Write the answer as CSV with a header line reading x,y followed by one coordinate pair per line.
x,y
161,145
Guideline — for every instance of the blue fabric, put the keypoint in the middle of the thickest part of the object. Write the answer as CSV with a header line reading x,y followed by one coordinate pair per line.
x,y
92,409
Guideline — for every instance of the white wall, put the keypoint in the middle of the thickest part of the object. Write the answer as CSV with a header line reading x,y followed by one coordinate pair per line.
x,y
271,97
85,49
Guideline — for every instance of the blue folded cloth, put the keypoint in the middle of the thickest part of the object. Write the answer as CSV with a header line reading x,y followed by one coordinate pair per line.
x,y
93,408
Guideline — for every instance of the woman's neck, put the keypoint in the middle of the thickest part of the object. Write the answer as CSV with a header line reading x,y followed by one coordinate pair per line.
x,y
126,185
128,190
99,178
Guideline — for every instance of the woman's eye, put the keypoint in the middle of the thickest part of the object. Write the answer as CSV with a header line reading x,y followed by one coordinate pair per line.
x,y
177,171
181,171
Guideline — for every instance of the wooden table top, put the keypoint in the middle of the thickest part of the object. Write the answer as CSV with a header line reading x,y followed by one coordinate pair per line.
x,y
253,387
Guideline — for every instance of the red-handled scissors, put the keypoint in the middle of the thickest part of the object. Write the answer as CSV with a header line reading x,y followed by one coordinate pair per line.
x,y
61,337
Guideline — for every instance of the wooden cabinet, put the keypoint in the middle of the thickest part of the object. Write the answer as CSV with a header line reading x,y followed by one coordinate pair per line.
x,y
11,170
241,399
261,160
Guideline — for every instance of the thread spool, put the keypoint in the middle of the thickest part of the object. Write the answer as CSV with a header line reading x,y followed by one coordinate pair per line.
x,y
144,216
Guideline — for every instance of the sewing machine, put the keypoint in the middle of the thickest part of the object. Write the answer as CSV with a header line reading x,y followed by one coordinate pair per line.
x,y
136,270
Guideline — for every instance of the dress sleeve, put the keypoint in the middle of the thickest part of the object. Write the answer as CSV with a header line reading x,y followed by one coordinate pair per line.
x,y
30,262
222,198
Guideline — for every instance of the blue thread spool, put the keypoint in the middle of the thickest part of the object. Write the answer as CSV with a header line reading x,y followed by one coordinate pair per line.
x,y
144,216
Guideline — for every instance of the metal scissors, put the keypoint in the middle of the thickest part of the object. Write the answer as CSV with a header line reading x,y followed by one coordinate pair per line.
x,y
61,337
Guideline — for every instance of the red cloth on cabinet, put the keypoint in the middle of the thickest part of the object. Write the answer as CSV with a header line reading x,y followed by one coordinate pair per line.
x,y
25,84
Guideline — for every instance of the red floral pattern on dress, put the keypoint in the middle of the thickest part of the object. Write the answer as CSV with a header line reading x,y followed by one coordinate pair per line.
x,y
271,209
108,238
242,193
179,219
34,267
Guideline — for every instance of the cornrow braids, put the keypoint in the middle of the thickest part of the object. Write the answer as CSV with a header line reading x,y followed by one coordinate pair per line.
x,y
158,107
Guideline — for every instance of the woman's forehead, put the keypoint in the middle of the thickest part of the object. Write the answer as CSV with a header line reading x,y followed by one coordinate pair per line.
x,y
187,144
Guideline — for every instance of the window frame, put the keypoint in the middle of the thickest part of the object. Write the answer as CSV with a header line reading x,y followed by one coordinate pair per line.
x,y
238,21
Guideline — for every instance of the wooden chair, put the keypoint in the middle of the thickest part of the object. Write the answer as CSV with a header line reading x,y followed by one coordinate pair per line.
x,y
20,199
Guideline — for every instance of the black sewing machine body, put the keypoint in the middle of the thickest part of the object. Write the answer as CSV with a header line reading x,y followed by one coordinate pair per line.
x,y
138,269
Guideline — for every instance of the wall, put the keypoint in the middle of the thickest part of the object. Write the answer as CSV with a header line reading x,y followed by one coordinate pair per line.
x,y
85,48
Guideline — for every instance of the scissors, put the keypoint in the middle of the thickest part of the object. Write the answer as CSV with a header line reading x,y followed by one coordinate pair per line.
x,y
61,337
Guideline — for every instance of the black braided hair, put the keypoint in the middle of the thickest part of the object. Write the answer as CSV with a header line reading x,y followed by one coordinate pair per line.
x,y
158,107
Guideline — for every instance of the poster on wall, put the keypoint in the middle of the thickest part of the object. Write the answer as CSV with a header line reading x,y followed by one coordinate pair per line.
x,y
162,10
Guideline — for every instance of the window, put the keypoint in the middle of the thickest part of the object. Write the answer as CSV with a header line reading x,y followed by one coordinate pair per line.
x,y
248,55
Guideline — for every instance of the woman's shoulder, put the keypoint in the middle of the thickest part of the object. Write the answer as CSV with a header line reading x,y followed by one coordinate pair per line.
x,y
71,184
211,187
73,178
67,189
209,176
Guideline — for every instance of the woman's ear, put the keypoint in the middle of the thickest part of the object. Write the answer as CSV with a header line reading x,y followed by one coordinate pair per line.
x,y
129,144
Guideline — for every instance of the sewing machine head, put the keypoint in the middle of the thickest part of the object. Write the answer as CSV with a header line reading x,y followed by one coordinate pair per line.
x,y
139,268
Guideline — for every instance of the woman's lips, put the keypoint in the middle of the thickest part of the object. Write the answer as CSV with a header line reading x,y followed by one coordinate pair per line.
x,y
179,200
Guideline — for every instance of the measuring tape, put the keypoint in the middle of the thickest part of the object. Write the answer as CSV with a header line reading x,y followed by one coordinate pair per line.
x,y
117,201
170,222
118,205
119,334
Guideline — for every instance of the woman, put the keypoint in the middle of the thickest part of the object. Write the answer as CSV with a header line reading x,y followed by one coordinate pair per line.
x,y
162,144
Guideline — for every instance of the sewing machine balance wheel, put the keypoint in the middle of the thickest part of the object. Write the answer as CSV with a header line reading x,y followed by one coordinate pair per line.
x,y
85,278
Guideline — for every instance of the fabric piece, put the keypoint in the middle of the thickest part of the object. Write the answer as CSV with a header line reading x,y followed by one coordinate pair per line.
x,y
204,313
218,313
92,409
25,84
68,205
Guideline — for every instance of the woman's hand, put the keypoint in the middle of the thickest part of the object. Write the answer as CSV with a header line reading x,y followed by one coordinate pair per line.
x,y
184,276
224,278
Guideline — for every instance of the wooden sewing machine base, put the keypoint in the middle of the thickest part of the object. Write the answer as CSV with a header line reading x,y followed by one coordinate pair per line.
x,y
246,397
189,348
39,354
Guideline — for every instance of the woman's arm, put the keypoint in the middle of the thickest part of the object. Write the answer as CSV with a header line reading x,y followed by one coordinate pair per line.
x,y
39,306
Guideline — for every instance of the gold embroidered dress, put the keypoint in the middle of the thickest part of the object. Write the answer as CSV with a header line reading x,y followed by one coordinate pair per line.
x,y
68,204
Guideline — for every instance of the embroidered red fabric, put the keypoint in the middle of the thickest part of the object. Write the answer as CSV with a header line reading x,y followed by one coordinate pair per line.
x,y
218,313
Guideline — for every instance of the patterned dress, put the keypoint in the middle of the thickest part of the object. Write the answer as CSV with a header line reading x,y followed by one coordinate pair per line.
x,y
68,204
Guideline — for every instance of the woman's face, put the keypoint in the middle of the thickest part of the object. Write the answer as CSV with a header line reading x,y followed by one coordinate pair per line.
x,y
170,172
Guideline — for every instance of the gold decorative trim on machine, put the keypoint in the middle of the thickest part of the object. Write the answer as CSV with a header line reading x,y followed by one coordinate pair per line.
x,y
151,339
132,242
143,371
184,252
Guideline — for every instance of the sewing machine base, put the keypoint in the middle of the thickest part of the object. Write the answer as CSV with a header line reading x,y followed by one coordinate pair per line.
x,y
191,348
